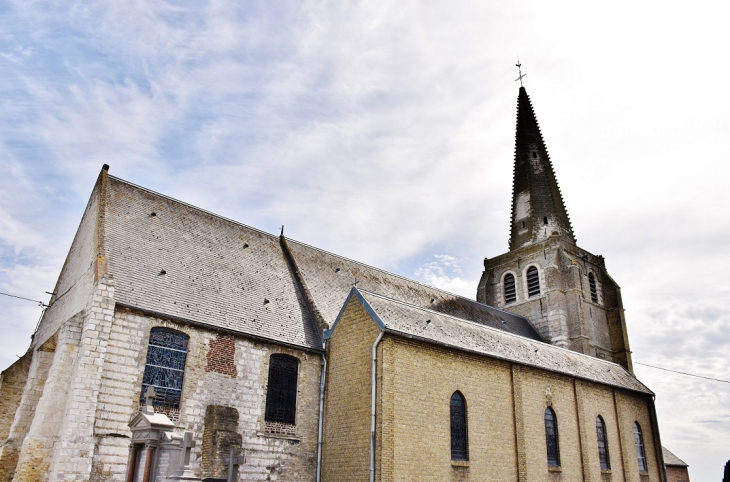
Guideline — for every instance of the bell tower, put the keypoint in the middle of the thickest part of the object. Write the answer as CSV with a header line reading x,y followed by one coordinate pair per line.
x,y
564,290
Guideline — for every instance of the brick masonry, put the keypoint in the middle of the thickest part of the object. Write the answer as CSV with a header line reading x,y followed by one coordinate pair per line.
x,y
505,410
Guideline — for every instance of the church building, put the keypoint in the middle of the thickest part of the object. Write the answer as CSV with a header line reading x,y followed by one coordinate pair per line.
x,y
181,345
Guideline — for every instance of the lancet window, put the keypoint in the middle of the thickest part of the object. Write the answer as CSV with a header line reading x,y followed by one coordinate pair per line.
x,y
281,394
602,444
551,438
165,366
459,444
639,442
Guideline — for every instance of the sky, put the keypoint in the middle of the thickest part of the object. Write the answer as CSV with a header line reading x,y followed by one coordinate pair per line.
x,y
384,131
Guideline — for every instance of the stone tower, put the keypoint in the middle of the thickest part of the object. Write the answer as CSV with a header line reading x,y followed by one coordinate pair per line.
x,y
562,289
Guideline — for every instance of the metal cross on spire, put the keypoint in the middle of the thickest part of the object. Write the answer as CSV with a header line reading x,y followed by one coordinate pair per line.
x,y
519,68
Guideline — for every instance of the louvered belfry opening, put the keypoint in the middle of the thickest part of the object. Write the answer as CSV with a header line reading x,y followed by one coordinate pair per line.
x,y
592,284
510,293
281,394
533,282
459,448
551,438
602,444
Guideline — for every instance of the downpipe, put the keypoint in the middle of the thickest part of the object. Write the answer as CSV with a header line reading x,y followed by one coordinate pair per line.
x,y
372,409
322,378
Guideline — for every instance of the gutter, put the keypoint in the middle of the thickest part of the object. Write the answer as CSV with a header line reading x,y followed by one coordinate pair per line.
x,y
372,408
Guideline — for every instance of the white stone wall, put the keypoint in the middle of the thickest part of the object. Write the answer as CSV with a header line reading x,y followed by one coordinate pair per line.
x,y
269,457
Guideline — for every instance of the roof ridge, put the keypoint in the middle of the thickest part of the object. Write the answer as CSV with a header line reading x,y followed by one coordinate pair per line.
x,y
497,330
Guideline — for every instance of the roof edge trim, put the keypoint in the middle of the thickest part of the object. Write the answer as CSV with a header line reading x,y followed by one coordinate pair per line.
x,y
229,331
356,293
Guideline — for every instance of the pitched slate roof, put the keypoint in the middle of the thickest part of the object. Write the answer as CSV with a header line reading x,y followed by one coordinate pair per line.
x,y
671,459
216,272
176,260
329,278
412,321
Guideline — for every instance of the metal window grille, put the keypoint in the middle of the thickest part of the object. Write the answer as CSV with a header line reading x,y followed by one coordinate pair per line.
x,y
602,444
459,448
510,294
639,441
551,438
165,367
533,282
281,395
594,291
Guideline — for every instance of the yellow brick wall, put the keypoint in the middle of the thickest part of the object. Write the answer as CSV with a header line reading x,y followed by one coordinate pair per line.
x,y
422,378
505,411
346,448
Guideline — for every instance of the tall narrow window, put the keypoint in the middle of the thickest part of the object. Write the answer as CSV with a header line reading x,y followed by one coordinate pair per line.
x,y
545,221
592,284
639,441
165,367
602,444
459,447
533,282
510,295
551,438
281,395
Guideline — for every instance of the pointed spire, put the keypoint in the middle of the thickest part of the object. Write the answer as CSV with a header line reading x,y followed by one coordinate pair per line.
x,y
538,211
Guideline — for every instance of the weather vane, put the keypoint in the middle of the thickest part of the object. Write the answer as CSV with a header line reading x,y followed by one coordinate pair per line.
x,y
519,68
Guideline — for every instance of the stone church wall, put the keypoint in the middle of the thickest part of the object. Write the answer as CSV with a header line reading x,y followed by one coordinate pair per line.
x,y
220,370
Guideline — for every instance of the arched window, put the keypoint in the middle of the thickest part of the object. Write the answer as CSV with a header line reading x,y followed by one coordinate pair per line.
x,y
281,394
639,441
551,438
510,295
592,284
459,446
165,366
533,282
545,221
602,444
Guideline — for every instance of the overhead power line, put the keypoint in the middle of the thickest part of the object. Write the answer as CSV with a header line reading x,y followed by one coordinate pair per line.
x,y
40,303
683,373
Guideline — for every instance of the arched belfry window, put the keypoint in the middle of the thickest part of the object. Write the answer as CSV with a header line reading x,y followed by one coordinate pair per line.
x,y
459,444
639,442
551,438
602,444
533,282
510,294
165,366
281,394
545,221
592,285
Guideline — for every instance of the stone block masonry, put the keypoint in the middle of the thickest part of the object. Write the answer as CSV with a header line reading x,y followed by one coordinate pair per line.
x,y
238,383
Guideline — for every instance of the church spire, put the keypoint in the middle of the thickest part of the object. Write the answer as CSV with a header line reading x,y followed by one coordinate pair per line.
x,y
538,211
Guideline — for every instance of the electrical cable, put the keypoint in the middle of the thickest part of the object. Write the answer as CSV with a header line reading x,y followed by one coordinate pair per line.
x,y
683,373
40,303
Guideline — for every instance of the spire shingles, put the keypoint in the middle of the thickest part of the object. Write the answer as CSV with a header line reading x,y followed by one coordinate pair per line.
x,y
538,211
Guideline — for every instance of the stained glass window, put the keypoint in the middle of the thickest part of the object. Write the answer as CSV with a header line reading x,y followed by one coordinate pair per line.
x,y
281,395
551,438
602,444
639,441
459,447
165,366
